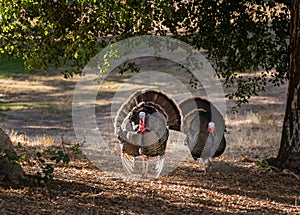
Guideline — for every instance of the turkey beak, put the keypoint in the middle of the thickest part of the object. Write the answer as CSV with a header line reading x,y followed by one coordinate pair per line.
x,y
142,116
211,129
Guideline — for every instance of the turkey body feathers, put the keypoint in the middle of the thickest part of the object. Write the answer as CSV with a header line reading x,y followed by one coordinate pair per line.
x,y
156,149
152,142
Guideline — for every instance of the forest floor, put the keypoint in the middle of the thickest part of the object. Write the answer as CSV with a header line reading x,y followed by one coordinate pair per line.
x,y
36,111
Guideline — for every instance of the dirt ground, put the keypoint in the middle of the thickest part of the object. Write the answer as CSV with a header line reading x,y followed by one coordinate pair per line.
x,y
36,111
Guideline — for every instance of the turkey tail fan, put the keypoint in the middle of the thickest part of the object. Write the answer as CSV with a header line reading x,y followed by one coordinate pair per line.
x,y
155,98
196,114
197,102
159,165
128,162
193,103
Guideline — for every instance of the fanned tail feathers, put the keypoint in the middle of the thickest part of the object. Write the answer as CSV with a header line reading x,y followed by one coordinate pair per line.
x,y
127,162
156,99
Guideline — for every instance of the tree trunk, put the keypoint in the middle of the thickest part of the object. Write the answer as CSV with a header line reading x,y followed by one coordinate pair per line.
x,y
289,153
10,171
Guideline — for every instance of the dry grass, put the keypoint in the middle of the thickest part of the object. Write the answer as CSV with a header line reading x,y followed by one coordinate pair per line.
x,y
253,135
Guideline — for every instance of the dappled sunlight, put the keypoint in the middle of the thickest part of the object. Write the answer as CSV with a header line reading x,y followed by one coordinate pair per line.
x,y
252,134
37,105
27,86
185,191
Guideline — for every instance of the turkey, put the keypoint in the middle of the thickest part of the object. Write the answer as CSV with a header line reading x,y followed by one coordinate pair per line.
x,y
204,126
142,125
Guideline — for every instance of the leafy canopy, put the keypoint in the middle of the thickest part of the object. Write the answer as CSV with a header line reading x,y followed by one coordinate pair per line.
x,y
237,36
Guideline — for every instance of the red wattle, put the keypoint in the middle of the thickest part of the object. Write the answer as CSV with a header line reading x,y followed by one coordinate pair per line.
x,y
142,126
212,131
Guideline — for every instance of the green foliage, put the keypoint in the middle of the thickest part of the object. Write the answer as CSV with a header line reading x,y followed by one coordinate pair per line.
x,y
265,165
12,157
8,160
10,66
52,154
48,168
61,156
237,36
128,66
47,31
75,150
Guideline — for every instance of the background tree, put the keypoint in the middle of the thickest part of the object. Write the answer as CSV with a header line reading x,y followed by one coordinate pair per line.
x,y
289,153
237,36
